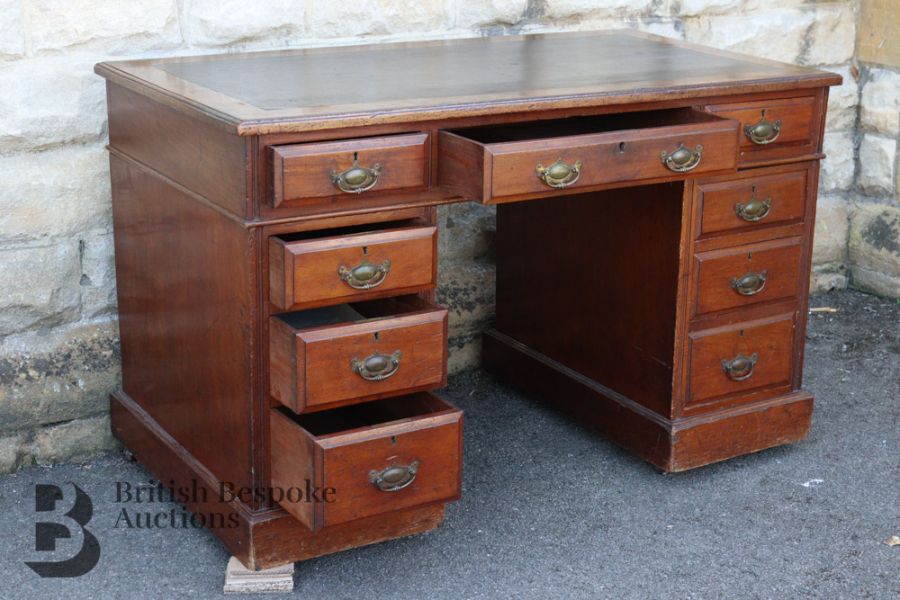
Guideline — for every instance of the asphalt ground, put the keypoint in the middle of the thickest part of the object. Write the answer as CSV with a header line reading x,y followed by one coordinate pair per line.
x,y
549,509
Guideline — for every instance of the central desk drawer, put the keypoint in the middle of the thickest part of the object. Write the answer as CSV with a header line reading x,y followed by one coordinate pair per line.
x,y
369,459
305,272
504,163
346,354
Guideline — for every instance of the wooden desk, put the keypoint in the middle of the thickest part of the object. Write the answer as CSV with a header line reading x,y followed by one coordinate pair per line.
x,y
276,258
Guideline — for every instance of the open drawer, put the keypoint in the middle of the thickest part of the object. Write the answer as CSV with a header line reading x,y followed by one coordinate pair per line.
x,y
518,161
366,460
351,353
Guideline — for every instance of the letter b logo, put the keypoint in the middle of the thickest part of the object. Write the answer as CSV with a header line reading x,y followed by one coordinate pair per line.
x,y
59,523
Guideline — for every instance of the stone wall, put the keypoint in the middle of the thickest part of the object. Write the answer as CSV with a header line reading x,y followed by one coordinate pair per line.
x,y
59,351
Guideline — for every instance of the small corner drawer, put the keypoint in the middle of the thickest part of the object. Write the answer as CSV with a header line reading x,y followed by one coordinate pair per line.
x,y
752,202
740,358
504,163
328,169
735,277
315,271
772,129
346,354
366,460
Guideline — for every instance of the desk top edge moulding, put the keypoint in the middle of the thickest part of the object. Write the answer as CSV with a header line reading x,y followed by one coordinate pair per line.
x,y
275,225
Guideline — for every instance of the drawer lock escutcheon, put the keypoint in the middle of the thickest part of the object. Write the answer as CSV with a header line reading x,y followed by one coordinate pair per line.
x,y
682,159
365,276
740,368
750,284
376,367
395,477
560,174
763,131
357,179
754,210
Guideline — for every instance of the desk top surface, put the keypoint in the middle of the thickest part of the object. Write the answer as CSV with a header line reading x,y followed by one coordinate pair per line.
x,y
321,88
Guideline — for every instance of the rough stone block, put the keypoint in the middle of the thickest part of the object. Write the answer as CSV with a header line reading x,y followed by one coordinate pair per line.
x,y
775,34
371,17
465,232
57,376
827,280
488,13
839,165
47,101
111,26
98,275
12,35
40,286
12,448
220,22
692,8
467,290
877,156
60,192
75,440
874,249
567,9
832,38
832,224
843,101
880,103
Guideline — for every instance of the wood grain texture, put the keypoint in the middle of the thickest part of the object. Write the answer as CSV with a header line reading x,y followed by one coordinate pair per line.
x,y
186,291
716,271
305,170
785,191
256,93
611,148
310,368
420,428
772,340
305,272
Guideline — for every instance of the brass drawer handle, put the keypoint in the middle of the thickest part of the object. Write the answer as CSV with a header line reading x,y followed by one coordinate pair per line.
x,y
740,367
754,210
750,284
763,132
365,276
682,159
560,174
395,477
357,179
376,367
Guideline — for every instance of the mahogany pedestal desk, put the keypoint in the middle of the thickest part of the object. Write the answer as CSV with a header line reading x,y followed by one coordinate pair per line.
x,y
276,255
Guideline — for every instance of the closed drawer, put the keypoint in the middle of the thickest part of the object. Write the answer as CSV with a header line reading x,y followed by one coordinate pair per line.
x,y
740,358
519,161
752,203
773,128
366,460
315,271
743,275
346,354
328,169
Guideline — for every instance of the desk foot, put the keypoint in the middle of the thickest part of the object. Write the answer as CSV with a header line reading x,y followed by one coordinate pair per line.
x,y
669,445
241,580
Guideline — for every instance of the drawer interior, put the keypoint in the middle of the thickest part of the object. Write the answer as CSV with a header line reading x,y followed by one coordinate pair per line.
x,y
370,414
537,130
355,312
350,230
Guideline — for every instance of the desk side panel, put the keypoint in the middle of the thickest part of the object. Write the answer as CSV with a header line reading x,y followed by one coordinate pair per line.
x,y
191,152
186,287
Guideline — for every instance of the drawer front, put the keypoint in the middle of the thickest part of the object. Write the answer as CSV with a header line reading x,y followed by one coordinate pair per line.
x,y
607,159
773,128
371,470
353,362
327,169
740,358
752,203
366,265
735,277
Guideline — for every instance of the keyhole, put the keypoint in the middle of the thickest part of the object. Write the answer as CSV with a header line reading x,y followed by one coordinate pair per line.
x,y
376,335
749,256
355,156
365,250
393,439
742,333
621,147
